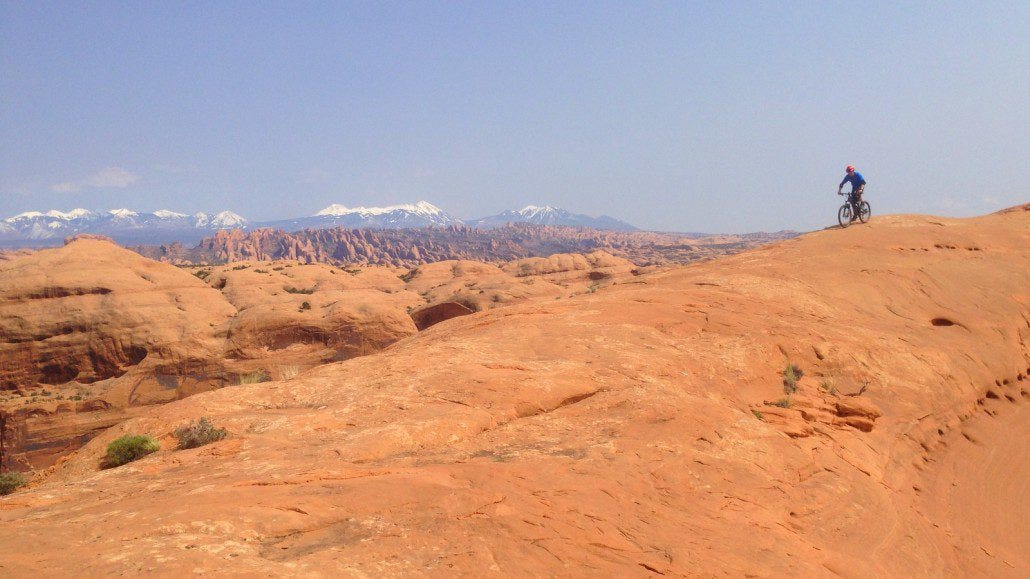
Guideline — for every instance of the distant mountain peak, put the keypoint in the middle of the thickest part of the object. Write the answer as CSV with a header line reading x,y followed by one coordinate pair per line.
x,y
550,215
166,214
123,213
228,219
23,216
530,210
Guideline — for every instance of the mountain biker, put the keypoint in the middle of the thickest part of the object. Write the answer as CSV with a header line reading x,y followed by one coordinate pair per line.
x,y
857,186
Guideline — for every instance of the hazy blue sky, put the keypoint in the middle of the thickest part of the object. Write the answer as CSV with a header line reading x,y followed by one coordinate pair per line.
x,y
711,116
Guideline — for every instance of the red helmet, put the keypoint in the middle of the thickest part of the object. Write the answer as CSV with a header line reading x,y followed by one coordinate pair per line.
x,y
850,168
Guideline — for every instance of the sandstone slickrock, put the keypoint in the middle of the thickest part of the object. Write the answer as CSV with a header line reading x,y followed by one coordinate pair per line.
x,y
625,431
131,346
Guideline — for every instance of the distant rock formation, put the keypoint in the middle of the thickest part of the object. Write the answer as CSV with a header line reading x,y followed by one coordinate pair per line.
x,y
413,247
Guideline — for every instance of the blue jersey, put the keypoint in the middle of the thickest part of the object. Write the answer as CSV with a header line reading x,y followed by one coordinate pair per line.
x,y
855,179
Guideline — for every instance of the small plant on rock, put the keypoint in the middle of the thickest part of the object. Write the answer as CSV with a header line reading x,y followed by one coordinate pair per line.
x,y
198,433
305,306
791,375
255,377
10,481
288,372
828,387
129,448
784,402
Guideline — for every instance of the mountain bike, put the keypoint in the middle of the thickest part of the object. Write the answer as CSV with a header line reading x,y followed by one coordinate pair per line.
x,y
849,211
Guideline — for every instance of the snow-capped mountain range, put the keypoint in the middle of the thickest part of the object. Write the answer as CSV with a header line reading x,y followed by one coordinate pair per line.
x,y
120,224
548,215
163,226
421,214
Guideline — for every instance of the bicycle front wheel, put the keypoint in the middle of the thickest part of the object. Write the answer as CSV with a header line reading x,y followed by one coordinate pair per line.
x,y
844,215
864,212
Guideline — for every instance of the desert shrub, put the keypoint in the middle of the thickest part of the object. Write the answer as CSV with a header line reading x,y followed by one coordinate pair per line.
x,y
352,271
758,415
278,268
828,386
239,267
260,271
784,402
288,372
203,273
255,377
294,290
128,448
198,433
409,276
10,481
305,306
791,375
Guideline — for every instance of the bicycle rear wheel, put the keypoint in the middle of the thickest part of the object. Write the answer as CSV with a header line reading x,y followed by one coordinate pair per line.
x,y
844,215
864,211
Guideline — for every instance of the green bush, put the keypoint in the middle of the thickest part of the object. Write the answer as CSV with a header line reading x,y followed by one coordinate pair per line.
x,y
198,433
10,481
129,448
